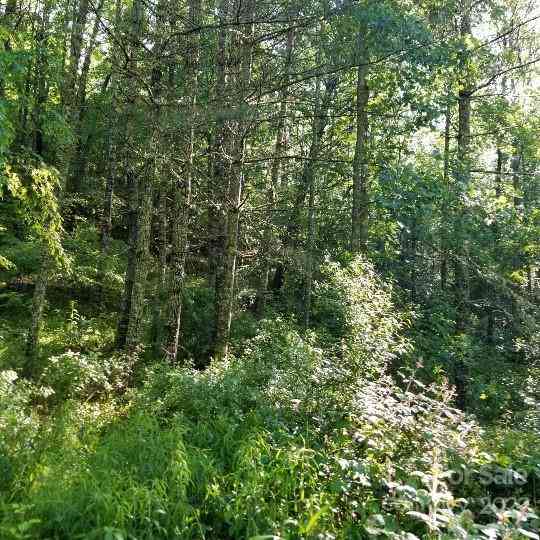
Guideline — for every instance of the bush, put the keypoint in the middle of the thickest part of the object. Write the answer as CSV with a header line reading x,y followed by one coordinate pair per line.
x,y
197,321
354,306
297,437
87,376
19,429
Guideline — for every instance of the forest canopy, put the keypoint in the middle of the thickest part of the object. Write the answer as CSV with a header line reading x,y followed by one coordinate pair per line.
x,y
269,269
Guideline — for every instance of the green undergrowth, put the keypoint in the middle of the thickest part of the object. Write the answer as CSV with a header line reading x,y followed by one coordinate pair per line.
x,y
297,437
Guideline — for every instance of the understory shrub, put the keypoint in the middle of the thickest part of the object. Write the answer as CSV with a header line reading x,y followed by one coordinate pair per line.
x,y
86,376
297,437
19,429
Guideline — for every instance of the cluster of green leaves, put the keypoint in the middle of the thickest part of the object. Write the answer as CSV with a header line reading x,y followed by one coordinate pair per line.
x,y
30,190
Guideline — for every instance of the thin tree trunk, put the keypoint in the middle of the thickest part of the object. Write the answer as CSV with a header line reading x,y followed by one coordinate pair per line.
x,y
501,158
159,301
310,240
446,172
291,238
111,158
517,200
106,223
142,256
41,89
77,169
461,284
241,63
125,308
515,165
499,169
269,240
140,191
320,121
161,179
182,196
38,306
310,255
106,216
360,203
219,177
462,181
80,14
40,291
24,134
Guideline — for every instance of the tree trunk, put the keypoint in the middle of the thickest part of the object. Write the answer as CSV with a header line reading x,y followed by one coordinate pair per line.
x,y
461,284
111,163
360,204
219,177
269,240
160,174
40,88
80,14
40,291
142,256
501,159
462,183
77,168
39,300
125,308
241,58
182,194
309,255
444,217
140,192
159,301
309,180
515,165
320,121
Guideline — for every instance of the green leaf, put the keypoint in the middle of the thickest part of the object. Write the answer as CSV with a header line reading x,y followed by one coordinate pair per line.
x,y
529,534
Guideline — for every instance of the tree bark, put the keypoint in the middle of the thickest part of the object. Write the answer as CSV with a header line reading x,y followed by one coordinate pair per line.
x,y
515,165
462,183
39,300
182,194
241,58
40,291
360,203
160,172
142,256
309,255
80,14
269,240
125,308
40,87
77,168
41,93
140,198
111,150
444,217
462,177
219,177
501,159
320,121
159,301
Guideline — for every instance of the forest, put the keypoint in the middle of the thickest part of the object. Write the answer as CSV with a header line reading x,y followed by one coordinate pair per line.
x,y
269,269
